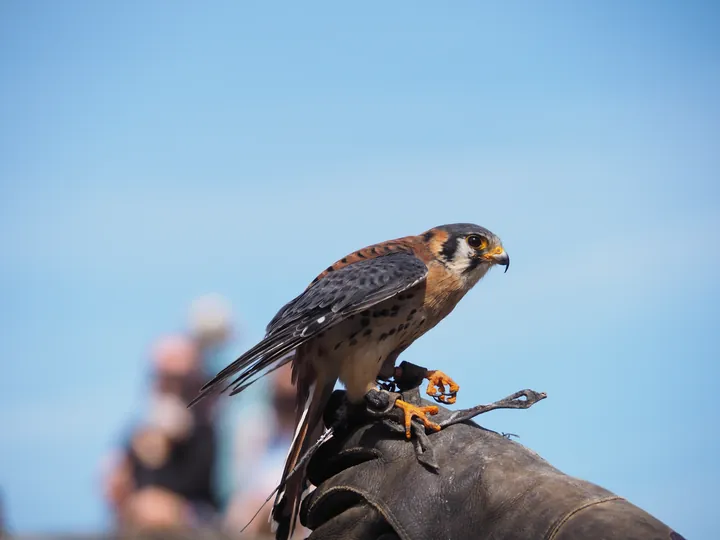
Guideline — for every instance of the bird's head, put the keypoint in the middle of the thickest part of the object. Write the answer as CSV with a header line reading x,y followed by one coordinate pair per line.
x,y
466,249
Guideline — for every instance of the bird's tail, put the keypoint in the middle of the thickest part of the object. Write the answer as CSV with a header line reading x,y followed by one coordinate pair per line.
x,y
309,429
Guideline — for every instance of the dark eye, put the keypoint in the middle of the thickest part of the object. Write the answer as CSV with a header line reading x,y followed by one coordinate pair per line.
x,y
476,241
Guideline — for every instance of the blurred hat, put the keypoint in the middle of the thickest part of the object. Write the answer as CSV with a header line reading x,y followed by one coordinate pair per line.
x,y
210,318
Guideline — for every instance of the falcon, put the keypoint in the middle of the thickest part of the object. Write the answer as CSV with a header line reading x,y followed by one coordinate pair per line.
x,y
351,324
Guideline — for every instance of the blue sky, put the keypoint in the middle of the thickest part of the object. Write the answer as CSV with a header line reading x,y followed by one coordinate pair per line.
x,y
154,151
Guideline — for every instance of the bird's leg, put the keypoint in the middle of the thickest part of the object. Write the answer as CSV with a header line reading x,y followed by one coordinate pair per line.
x,y
386,376
413,411
409,375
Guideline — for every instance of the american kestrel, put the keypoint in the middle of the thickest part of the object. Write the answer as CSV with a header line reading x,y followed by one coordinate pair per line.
x,y
352,322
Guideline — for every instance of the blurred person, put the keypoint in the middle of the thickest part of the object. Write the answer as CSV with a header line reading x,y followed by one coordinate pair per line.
x,y
263,438
157,508
165,473
210,324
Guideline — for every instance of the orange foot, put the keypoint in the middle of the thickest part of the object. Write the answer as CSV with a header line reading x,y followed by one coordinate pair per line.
x,y
436,387
413,411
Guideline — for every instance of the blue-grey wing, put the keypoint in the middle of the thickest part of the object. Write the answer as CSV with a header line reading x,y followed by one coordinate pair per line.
x,y
351,289
337,296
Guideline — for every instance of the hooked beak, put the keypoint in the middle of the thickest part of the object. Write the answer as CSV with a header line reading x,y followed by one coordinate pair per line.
x,y
502,259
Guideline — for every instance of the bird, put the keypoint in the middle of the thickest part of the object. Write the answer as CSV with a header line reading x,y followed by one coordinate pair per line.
x,y
352,322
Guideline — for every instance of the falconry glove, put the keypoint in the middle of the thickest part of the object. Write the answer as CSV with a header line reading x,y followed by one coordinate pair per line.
x,y
463,482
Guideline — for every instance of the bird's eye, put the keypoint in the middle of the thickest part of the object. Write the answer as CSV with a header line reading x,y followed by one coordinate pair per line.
x,y
476,241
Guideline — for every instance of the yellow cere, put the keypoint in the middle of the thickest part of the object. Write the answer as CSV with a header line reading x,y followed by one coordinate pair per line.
x,y
498,250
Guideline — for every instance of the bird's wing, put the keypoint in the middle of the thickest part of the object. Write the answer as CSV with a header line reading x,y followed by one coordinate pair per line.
x,y
337,296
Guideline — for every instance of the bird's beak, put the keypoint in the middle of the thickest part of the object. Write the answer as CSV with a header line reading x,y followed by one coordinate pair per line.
x,y
500,257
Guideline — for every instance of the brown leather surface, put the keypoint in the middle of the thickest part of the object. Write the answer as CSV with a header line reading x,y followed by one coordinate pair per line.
x,y
371,485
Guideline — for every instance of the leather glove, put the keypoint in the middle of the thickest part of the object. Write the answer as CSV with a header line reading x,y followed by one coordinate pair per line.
x,y
372,484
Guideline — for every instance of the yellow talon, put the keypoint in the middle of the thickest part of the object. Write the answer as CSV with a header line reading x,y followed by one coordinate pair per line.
x,y
436,387
413,411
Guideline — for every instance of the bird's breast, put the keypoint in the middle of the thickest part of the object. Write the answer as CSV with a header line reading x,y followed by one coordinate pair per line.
x,y
354,350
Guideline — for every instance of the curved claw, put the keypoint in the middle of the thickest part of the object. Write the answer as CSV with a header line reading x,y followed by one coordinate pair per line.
x,y
436,387
447,399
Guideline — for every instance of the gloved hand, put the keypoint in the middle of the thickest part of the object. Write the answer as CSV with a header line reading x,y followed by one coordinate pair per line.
x,y
371,485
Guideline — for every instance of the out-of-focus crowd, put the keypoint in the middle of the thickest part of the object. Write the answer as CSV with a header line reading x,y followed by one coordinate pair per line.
x,y
212,465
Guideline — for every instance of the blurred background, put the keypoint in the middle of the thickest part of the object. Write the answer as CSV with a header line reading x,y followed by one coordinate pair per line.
x,y
171,173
